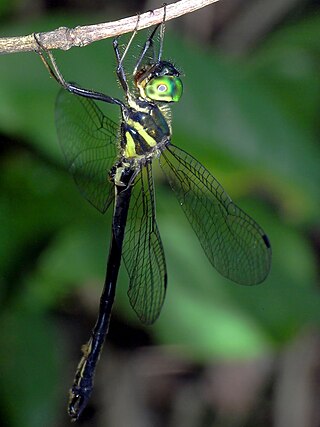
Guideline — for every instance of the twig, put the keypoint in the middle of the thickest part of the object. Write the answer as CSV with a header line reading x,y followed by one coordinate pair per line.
x,y
65,38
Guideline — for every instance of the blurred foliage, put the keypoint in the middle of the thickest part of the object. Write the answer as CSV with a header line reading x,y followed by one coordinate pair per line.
x,y
253,123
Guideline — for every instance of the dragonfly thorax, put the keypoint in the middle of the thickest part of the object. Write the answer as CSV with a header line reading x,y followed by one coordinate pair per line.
x,y
144,130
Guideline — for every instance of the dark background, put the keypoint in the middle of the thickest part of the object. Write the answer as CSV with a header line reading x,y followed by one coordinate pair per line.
x,y
220,355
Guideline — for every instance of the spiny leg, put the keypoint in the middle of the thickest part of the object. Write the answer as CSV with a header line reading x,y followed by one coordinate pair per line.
x,y
53,69
120,71
149,42
145,48
162,30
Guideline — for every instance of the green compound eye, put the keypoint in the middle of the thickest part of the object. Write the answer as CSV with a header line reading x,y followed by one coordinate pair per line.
x,y
165,88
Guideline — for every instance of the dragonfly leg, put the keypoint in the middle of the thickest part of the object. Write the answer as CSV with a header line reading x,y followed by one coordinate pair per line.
x,y
50,63
147,45
162,30
120,71
149,42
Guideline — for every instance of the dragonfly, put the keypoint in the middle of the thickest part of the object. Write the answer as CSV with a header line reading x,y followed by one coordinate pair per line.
x,y
111,164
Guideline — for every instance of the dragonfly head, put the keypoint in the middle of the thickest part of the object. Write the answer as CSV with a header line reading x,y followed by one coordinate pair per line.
x,y
159,82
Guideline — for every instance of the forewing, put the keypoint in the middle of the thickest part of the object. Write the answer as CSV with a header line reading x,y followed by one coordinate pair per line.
x,y
143,251
234,243
89,142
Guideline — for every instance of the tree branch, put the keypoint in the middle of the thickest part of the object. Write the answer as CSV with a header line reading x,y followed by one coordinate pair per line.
x,y
65,38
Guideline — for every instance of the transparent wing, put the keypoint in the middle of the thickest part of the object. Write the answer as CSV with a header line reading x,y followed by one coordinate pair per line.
x,y
143,251
88,141
234,243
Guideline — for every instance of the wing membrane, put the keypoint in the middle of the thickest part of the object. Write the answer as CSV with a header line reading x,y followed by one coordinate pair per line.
x,y
88,141
143,251
233,242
